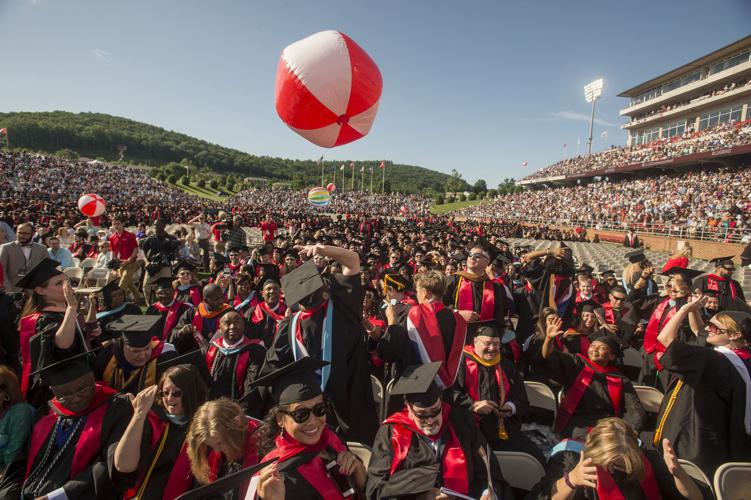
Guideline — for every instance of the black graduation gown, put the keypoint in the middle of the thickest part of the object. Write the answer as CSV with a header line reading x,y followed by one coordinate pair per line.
x,y
136,379
349,386
223,372
265,329
724,296
488,390
705,424
165,462
417,473
104,323
184,317
9,339
595,403
450,297
566,461
94,481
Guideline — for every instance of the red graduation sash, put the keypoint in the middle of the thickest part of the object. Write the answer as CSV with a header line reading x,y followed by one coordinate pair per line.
x,y
313,471
453,461
243,361
713,283
579,386
430,341
89,441
472,378
583,341
171,320
464,300
608,490
28,330
195,295
651,344
262,310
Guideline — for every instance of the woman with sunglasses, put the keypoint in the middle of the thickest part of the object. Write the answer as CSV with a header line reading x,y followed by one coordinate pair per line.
x,y
313,461
151,458
221,441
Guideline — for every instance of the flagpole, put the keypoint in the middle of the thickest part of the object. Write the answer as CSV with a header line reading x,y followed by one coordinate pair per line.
x,y
322,166
352,186
362,179
383,178
371,179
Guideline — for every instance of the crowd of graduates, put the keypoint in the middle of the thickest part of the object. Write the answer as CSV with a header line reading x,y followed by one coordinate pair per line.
x,y
249,373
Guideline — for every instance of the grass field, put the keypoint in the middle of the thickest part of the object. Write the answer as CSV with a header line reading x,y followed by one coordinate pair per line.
x,y
204,192
447,207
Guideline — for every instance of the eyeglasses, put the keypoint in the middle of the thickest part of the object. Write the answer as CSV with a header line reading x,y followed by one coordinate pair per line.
x,y
478,255
76,393
301,415
175,393
427,416
716,329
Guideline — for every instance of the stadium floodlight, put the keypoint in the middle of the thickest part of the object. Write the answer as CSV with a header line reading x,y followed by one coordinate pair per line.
x,y
592,92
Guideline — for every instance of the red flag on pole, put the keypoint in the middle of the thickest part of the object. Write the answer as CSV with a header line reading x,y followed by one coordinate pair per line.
x,y
383,164
3,131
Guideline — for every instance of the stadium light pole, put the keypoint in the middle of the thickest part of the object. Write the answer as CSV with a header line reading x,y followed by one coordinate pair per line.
x,y
592,92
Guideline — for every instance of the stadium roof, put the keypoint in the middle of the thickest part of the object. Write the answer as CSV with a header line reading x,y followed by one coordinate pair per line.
x,y
696,63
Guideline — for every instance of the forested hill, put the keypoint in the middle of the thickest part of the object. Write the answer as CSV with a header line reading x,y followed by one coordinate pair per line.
x,y
96,135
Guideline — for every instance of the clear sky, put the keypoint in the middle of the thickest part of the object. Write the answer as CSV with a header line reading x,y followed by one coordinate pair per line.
x,y
480,86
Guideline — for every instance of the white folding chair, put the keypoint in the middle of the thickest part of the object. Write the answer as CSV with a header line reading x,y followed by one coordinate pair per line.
x,y
377,389
732,481
99,276
76,262
75,274
87,263
632,357
650,398
521,470
540,396
361,451
695,473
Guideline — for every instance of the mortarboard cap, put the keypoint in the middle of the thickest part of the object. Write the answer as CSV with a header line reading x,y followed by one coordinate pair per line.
x,y
39,274
184,264
66,370
743,320
584,268
268,271
724,262
301,283
137,330
264,250
417,384
609,340
485,328
219,259
688,275
607,273
227,484
110,287
294,382
195,359
587,306
162,283
635,256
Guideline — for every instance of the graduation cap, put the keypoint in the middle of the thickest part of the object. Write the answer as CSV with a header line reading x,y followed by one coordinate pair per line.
x,y
227,484
397,281
267,271
485,328
688,275
726,262
264,250
294,382
584,269
195,358
417,384
220,259
743,320
39,274
137,330
587,306
66,370
163,283
459,256
636,256
183,264
110,287
609,340
301,283
608,273
501,261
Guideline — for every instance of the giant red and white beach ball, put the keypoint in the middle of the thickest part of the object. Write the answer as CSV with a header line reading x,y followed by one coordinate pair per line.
x,y
327,89
91,205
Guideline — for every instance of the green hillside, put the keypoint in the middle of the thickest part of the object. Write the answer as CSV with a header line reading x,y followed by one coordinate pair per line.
x,y
96,135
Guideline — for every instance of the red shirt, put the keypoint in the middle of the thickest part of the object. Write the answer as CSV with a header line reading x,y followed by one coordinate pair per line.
x,y
267,230
123,245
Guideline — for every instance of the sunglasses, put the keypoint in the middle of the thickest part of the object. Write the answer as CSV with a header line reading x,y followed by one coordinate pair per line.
x,y
175,393
477,255
427,416
301,415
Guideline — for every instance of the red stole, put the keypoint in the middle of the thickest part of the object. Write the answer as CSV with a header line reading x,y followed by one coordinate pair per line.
x,y
262,310
651,344
313,471
472,377
28,330
243,359
583,341
608,490
195,295
250,456
453,461
171,320
579,386
465,297
713,283
430,342
89,441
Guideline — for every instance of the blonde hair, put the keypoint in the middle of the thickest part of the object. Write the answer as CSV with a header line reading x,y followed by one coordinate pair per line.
x,y
631,274
613,444
728,323
432,281
218,418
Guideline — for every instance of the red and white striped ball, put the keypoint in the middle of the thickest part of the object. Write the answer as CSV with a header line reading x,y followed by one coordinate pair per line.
x,y
91,205
327,89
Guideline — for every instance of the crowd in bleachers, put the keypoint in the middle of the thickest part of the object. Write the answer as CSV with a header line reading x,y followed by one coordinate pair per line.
x,y
714,202
690,142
